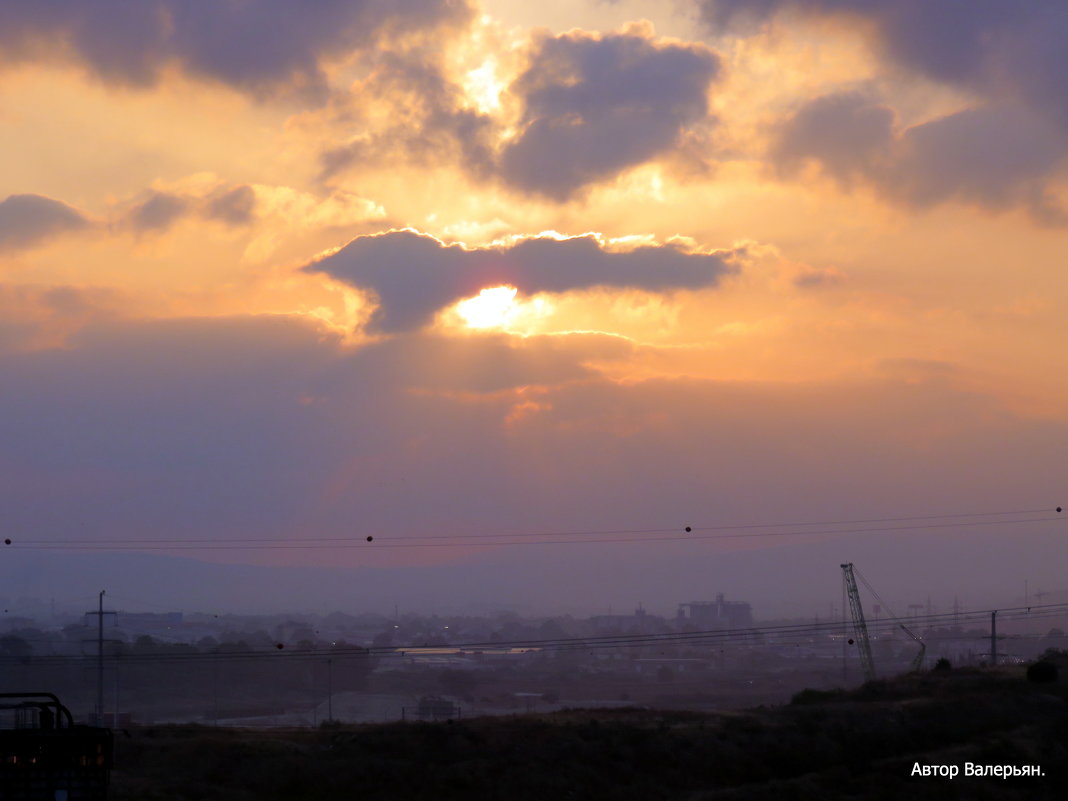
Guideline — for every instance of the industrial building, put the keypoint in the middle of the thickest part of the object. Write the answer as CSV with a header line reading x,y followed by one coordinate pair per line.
x,y
718,614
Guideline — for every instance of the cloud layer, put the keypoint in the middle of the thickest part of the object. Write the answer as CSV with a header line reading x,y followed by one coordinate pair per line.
x,y
252,45
414,275
261,427
998,49
997,157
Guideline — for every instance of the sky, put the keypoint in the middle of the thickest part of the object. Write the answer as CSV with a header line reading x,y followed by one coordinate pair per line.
x,y
425,269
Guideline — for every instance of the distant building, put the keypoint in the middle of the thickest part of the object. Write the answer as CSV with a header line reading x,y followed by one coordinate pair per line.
x,y
718,614
153,618
167,626
622,624
434,707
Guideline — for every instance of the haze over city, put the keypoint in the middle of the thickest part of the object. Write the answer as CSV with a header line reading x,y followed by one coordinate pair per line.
x,y
561,307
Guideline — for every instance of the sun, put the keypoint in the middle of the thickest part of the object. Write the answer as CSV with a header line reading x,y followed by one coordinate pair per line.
x,y
483,88
495,307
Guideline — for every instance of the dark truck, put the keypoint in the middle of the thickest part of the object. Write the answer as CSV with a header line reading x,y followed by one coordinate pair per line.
x,y
44,756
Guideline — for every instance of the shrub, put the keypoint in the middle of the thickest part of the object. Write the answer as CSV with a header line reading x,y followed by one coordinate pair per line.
x,y
811,696
1042,672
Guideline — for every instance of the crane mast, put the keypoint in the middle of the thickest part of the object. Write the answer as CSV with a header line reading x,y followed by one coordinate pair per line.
x,y
860,628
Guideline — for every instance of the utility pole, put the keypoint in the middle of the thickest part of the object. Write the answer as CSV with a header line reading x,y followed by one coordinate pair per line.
x,y
994,638
100,662
215,688
329,689
100,612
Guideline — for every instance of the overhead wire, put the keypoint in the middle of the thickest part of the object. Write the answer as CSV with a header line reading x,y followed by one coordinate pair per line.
x,y
593,536
569,533
597,536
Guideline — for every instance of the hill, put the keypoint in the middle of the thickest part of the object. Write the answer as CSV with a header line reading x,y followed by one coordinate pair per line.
x,y
863,744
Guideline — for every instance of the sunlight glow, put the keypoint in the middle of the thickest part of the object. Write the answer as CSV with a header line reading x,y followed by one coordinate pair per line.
x,y
483,87
492,308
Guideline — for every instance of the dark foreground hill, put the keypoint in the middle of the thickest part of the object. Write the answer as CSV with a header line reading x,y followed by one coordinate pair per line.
x,y
864,744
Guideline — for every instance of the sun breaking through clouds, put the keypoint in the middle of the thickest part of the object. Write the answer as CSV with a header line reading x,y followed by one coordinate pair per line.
x,y
370,267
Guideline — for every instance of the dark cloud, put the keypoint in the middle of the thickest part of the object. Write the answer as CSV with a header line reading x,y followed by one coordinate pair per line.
x,y
595,105
994,156
816,278
1003,50
997,157
158,212
252,45
1003,152
180,407
217,425
428,119
846,132
232,206
26,220
590,107
414,275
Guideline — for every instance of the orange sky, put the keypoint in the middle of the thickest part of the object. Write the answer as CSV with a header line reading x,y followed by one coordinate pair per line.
x,y
813,221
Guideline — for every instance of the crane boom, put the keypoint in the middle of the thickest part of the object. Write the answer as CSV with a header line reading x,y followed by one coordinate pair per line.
x,y
860,628
917,662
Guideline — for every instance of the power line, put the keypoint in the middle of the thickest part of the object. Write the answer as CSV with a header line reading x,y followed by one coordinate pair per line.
x,y
571,533
596,537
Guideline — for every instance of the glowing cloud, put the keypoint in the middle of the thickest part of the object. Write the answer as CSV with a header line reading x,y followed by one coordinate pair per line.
x,y
414,275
